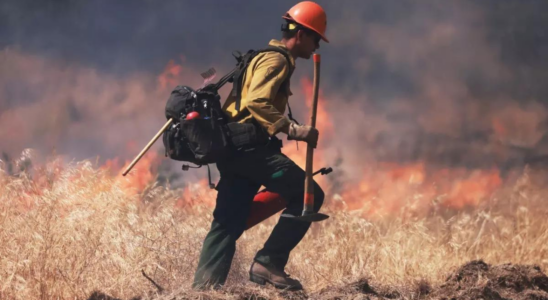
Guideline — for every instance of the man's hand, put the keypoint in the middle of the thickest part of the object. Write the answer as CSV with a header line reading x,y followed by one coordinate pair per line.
x,y
303,133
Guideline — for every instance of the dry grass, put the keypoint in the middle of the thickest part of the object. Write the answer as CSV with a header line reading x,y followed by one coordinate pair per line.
x,y
66,231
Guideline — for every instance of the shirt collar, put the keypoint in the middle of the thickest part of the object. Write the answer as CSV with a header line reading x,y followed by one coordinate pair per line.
x,y
279,44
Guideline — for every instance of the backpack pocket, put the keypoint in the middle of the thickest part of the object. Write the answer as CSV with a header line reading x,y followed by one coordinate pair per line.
x,y
206,140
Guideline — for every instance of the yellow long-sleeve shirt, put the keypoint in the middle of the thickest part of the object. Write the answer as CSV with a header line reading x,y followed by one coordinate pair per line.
x,y
264,98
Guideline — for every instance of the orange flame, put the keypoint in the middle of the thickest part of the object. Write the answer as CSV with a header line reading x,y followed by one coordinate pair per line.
x,y
170,76
141,175
197,193
388,188
469,191
382,189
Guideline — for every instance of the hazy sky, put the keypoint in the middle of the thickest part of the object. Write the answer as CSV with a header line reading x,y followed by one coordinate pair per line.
x,y
399,78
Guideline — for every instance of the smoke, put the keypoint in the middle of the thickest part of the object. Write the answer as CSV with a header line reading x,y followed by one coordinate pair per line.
x,y
457,83
437,82
77,110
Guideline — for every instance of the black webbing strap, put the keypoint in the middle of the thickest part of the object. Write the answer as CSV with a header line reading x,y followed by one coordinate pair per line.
x,y
238,75
225,79
230,76
290,114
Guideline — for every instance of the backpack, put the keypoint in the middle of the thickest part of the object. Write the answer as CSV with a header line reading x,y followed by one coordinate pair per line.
x,y
200,132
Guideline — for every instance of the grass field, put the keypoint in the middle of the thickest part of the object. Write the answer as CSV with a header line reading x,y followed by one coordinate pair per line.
x,y
67,230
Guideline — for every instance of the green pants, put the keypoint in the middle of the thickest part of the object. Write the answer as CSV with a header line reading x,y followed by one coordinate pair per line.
x,y
241,178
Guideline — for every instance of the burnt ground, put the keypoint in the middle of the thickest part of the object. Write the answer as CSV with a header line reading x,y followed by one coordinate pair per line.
x,y
472,281
478,280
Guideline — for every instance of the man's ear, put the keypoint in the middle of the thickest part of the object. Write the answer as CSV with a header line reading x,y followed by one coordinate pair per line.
x,y
299,36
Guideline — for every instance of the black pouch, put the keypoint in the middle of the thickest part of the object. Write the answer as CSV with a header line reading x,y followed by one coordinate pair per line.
x,y
245,135
206,139
175,145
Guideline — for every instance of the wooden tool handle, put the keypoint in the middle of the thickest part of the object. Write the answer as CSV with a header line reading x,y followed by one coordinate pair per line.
x,y
309,181
166,125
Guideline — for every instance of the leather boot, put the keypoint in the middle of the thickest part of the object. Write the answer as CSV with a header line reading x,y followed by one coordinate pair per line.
x,y
279,279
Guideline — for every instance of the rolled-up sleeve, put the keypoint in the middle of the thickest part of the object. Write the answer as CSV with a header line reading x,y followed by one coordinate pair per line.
x,y
270,73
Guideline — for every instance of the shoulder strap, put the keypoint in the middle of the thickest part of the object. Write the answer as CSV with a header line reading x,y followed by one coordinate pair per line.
x,y
235,75
229,77
238,76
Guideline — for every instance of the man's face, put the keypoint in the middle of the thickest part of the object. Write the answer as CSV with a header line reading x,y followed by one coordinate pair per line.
x,y
309,41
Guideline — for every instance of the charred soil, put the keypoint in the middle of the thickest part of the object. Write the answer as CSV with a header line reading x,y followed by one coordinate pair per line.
x,y
472,281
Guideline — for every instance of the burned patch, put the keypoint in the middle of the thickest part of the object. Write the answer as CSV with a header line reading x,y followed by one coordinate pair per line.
x,y
476,280
473,280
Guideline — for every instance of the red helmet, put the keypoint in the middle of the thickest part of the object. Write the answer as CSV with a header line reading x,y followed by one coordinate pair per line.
x,y
310,15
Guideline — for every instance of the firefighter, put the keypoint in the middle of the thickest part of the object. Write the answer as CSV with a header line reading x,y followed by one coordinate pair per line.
x,y
264,96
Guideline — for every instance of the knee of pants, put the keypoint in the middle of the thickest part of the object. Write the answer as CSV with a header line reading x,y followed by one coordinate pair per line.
x,y
319,196
233,227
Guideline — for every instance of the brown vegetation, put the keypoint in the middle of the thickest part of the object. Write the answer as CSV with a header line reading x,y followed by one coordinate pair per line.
x,y
71,231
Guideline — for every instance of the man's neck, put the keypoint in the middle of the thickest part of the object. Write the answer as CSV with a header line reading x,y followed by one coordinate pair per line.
x,y
290,45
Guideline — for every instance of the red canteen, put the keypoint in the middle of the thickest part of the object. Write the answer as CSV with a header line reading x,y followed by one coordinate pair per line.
x,y
192,115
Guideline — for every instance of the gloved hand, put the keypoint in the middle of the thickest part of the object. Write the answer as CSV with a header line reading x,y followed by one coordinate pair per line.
x,y
304,133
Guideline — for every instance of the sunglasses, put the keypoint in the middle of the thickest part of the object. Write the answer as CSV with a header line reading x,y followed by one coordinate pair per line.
x,y
314,35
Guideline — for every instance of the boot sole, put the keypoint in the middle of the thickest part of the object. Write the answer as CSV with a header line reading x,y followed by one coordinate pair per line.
x,y
263,281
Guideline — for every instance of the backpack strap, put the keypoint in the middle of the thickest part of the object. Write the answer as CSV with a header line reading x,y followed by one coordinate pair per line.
x,y
229,77
290,114
238,75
